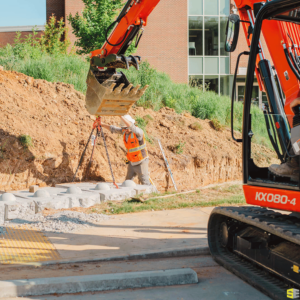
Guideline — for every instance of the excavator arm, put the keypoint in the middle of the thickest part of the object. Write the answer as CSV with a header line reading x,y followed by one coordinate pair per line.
x,y
109,92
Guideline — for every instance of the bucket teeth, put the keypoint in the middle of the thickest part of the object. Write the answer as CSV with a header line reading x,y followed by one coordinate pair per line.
x,y
111,88
142,91
105,99
126,91
134,90
118,90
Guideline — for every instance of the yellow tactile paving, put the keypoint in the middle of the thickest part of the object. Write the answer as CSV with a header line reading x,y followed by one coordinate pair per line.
x,y
25,246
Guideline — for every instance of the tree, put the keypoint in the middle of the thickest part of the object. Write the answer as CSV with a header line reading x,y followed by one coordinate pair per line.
x,y
91,26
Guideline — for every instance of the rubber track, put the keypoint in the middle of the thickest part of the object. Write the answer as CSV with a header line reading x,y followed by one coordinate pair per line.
x,y
275,223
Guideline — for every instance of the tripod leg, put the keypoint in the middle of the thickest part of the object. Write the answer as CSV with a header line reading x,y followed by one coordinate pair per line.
x,y
83,153
91,158
111,171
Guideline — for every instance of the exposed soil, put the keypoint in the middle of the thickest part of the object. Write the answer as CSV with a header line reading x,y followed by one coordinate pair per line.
x,y
54,116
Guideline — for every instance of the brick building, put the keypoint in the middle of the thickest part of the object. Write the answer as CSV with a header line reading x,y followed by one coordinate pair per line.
x,y
184,38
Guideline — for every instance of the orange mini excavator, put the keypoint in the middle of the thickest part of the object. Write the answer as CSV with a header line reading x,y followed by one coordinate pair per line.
x,y
261,245
109,92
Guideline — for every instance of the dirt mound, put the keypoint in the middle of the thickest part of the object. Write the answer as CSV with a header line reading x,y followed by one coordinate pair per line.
x,y
53,115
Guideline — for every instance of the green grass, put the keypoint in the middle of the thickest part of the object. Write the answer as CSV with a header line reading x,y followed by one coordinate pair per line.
x,y
70,69
179,148
142,123
222,195
26,141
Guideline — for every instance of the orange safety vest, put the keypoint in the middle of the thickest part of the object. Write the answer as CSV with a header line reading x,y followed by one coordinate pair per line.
x,y
136,150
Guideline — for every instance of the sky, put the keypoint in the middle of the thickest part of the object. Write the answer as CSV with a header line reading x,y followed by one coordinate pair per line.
x,y
22,12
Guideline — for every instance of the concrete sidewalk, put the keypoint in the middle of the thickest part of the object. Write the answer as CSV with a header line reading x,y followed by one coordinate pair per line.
x,y
136,234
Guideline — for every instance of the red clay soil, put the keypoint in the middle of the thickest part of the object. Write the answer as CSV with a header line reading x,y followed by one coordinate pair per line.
x,y
54,116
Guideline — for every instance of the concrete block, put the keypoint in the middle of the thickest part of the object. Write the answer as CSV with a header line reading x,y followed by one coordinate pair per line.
x,y
8,197
145,189
102,186
93,283
2,213
19,208
33,188
84,200
114,194
79,198
56,202
129,183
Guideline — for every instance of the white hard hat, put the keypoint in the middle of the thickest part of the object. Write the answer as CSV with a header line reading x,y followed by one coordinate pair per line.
x,y
128,118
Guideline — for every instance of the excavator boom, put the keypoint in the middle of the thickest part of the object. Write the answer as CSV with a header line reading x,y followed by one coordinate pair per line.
x,y
109,93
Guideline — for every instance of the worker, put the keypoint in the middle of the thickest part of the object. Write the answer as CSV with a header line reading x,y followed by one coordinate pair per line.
x,y
288,169
135,143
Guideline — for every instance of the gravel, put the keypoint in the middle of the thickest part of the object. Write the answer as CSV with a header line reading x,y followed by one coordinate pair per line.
x,y
61,222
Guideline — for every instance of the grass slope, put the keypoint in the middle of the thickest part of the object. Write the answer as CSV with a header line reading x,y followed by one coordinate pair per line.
x,y
162,90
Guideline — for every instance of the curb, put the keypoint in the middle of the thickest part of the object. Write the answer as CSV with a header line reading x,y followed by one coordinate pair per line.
x,y
153,255
93,283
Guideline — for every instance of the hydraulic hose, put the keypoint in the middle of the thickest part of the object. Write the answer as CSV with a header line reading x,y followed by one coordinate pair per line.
x,y
294,60
109,28
290,63
295,46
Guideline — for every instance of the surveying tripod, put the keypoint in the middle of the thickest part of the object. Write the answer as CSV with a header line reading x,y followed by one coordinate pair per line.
x,y
99,129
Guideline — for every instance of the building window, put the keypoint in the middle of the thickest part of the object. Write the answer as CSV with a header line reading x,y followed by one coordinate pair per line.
x,y
196,36
208,60
195,7
18,15
196,65
224,7
211,7
211,39
212,83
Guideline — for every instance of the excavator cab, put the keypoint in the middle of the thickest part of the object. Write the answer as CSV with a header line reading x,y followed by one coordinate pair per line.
x,y
272,125
257,242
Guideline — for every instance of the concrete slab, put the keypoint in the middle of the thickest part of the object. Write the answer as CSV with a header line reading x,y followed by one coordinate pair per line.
x,y
122,193
92,283
136,235
78,184
53,191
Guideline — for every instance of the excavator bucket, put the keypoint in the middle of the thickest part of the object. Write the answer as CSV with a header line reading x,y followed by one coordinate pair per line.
x,y
110,93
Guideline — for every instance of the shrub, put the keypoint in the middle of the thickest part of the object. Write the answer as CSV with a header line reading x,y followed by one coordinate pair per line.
x,y
25,140
196,126
215,123
178,148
